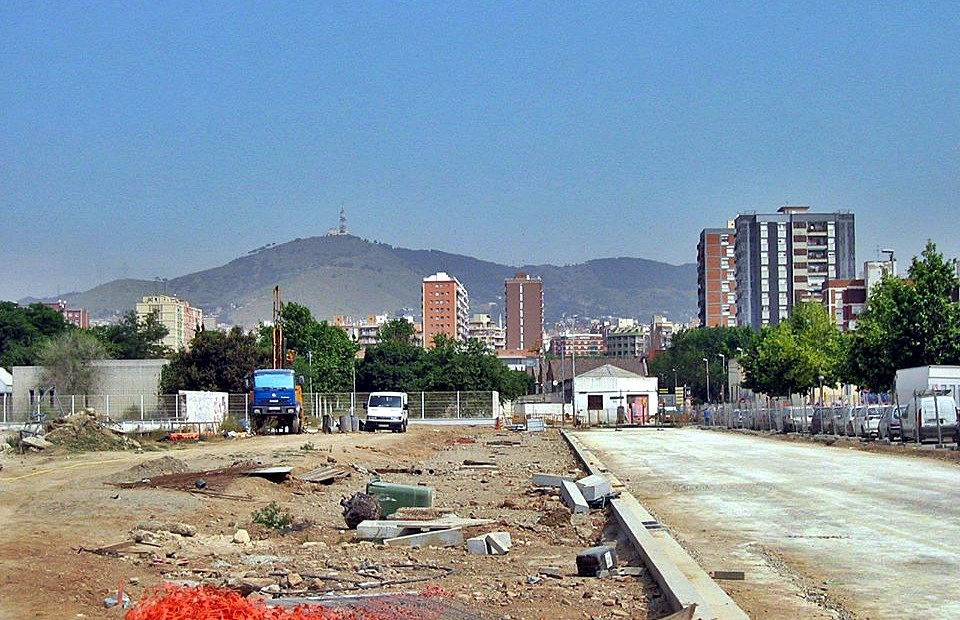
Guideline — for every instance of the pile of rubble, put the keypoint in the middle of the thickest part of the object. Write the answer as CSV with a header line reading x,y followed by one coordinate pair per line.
x,y
83,431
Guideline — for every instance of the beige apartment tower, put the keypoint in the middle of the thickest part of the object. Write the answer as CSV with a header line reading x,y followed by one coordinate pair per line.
x,y
180,318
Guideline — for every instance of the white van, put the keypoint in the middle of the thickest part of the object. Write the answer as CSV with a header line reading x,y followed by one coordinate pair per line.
x,y
918,418
386,410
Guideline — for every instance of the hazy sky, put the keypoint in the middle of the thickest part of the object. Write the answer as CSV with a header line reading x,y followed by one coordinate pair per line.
x,y
157,139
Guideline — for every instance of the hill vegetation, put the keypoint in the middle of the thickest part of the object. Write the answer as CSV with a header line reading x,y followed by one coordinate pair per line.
x,y
348,275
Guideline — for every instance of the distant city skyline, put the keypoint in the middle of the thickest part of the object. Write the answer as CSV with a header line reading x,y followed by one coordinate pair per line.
x,y
150,141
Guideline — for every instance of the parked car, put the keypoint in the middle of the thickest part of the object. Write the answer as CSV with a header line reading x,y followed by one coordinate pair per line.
x,y
919,418
818,420
866,419
888,426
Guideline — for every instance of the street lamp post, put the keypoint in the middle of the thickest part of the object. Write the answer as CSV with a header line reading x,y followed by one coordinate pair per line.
x,y
707,362
723,386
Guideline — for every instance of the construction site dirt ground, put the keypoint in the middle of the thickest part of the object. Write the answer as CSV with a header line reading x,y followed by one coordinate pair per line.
x,y
55,505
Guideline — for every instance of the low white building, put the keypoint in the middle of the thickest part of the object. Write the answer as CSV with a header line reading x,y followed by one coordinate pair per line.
x,y
600,393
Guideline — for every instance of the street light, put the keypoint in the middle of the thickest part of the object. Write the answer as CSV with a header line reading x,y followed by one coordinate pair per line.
x,y
707,362
723,386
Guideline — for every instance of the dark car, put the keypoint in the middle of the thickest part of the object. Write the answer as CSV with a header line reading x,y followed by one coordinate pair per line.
x,y
820,419
889,425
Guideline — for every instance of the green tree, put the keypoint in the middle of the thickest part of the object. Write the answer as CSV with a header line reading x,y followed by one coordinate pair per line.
x,y
792,356
683,359
24,330
390,366
906,324
324,354
67,362
397,331
132,338
215,361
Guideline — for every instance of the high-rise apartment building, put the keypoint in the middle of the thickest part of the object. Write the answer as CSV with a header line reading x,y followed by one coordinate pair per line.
x,y
490,333
75,316
716,277
784,258
446,308
180,318
524,304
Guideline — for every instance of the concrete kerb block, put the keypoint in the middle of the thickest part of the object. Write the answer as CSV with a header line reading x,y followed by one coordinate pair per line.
x,y
494,543
477,545
499,543
549,480
438,538
573,498
594,487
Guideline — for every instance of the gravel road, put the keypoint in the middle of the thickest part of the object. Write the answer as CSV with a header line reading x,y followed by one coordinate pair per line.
x,y
822,532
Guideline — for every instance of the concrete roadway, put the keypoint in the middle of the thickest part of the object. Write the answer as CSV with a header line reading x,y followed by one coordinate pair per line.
x,y
821,532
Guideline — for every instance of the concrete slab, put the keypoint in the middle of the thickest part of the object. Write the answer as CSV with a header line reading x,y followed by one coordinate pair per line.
x,y
573,498
452,537
477,545
594,487
498,543
549,480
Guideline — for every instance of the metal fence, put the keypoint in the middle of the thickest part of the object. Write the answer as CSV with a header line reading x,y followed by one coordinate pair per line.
x,y
439,407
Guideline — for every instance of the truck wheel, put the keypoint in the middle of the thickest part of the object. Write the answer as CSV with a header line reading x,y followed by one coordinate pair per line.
x,y
295,428
403,429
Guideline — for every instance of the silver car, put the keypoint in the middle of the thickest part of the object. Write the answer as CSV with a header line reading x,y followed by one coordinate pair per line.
x,y
888,426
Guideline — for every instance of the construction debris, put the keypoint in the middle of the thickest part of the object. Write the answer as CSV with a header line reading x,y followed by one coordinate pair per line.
x,y
380,530
360,507
494,543
180,529
273,474
395,496
593,561
595,488
452,537
214,481
550,480
324,475
133,547
573,498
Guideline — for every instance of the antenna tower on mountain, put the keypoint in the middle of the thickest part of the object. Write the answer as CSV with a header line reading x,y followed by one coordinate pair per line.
x,y
341,229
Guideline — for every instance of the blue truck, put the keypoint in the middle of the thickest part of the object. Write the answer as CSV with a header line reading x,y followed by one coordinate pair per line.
x,y
276,401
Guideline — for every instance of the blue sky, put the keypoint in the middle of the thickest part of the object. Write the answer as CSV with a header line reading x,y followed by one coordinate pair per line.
x,y
157,139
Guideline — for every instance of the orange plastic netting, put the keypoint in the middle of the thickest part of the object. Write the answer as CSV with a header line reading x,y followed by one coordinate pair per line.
x,y
207,603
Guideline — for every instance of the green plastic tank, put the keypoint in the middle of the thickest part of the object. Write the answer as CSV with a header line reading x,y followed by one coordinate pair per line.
x,y
395,496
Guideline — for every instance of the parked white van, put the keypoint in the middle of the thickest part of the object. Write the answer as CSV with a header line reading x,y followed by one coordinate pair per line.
x,y
386,410
919,416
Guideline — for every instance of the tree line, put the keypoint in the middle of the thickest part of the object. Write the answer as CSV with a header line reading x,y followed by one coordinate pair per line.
x,y
914,321
326,357
37,335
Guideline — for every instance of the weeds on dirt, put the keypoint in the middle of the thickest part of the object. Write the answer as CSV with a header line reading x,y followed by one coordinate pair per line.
x,y
231,425
272,516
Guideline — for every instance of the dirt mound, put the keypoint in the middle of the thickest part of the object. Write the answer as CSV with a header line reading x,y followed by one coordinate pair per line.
x,y
152,468
83,432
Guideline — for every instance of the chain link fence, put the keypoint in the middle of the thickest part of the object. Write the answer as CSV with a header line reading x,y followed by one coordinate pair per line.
x,y
438,407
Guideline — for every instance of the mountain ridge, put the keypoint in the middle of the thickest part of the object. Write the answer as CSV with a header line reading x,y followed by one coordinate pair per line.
x,y
345,274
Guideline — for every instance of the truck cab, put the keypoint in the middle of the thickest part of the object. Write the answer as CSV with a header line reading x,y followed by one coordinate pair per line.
x,y
276,396
386,410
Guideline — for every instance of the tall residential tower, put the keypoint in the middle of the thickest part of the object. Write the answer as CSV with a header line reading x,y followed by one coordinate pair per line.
x,y
446,308
716,277
524,305
784,258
